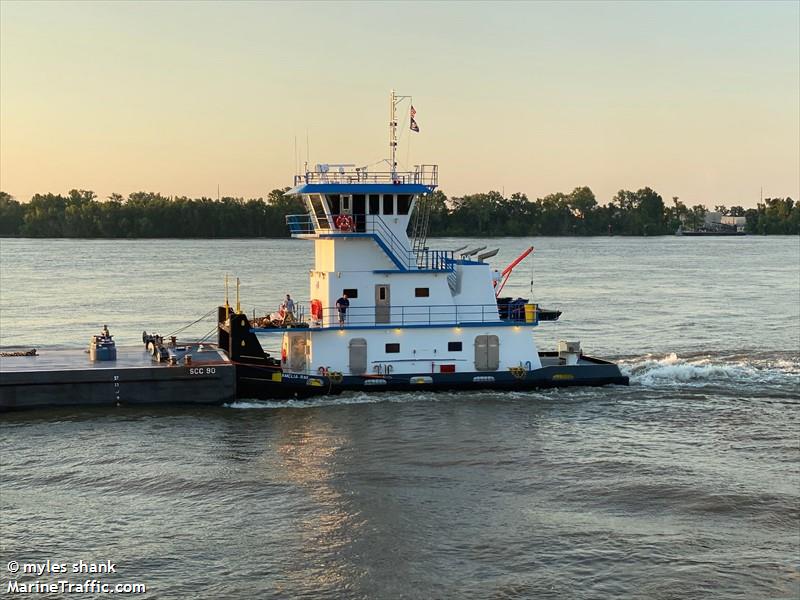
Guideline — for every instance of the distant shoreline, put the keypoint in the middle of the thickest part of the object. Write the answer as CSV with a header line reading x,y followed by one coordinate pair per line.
x,y
146,215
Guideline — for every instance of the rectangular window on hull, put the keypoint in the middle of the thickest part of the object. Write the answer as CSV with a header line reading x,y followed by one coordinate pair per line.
x,y
454,346
388,204
351,292
392,348
422,292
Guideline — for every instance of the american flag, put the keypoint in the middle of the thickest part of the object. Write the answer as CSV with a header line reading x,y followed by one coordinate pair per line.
x,y
413,125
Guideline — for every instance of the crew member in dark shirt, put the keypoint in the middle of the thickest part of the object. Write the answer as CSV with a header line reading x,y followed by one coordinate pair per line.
x,y
342,304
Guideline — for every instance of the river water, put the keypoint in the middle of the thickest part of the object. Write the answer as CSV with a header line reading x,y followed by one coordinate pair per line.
x,y
684,485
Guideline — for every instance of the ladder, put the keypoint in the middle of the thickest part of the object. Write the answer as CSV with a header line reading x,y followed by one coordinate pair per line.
x,y
419,229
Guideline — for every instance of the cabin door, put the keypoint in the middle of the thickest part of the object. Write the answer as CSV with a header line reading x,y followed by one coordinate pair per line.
x,y
487,353
358,356
298,351
346,205
383,307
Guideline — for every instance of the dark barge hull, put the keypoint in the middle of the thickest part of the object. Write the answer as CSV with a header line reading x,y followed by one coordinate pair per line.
x,y
68,378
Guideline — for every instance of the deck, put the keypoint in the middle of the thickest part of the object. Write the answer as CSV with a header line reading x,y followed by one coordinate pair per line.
x,y
78,360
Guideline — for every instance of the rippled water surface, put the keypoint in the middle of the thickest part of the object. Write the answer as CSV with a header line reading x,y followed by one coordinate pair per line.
x,y
684,485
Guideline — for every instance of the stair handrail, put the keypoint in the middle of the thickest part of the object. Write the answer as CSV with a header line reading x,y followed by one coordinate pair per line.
x,y
387,236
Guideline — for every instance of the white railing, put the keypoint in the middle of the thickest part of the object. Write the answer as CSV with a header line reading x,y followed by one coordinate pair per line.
x,y
422,174
397,316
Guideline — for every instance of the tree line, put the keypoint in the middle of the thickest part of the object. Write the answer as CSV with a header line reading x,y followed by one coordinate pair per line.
x,y
80,214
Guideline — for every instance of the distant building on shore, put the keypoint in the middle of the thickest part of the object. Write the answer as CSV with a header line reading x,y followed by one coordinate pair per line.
x,y
715,223
738,222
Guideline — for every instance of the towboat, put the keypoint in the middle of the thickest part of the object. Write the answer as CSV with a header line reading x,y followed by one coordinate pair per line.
x,y
387,311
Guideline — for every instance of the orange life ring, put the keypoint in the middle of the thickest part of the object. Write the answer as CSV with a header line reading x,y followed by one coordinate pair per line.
x,y
344,223
316,310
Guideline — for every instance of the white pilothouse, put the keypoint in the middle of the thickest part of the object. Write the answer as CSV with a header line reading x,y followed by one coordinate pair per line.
x,y
388,312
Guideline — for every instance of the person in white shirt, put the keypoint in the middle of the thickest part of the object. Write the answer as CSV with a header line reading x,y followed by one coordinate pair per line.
x,y
288,308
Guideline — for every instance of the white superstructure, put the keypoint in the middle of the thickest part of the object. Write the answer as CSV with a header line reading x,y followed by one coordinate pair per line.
x,y
412,310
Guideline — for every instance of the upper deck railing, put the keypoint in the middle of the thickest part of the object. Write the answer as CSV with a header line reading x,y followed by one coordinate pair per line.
x,y
398,316
427,175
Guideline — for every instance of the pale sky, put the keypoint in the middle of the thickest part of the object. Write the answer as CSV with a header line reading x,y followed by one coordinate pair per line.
x,y
696,100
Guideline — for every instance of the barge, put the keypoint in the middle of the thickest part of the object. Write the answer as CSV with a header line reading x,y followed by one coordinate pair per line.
x,y
107,375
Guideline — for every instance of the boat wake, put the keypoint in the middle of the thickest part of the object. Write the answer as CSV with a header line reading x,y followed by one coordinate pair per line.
x,y
777,371
558,395
696,370
344,399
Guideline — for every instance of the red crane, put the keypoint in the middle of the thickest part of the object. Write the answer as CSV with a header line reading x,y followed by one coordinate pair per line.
x,y
506,273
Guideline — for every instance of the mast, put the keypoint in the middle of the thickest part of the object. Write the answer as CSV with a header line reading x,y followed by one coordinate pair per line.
x,y
393,134
393,100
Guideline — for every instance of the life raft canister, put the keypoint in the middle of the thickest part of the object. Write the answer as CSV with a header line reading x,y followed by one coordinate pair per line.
x,y
344,223
316,310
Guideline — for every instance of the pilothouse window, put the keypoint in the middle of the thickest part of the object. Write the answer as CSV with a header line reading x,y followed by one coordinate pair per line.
x,y
359,210
333,201
374,204
403,204
388,204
